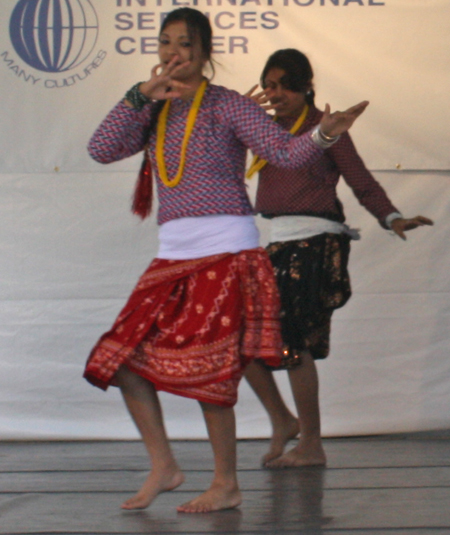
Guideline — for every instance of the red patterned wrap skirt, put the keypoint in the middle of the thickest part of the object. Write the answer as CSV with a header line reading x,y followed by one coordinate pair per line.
x,y
191,326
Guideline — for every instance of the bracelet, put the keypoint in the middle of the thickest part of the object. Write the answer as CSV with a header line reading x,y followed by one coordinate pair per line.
x,y
327,139
137,99
322,140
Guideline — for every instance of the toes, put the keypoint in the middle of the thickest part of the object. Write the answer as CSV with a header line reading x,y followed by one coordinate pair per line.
x,y
134,504
268,458
194,508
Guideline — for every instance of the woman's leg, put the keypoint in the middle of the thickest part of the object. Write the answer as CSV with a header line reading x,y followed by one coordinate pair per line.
x,y
143,404
224,491
305,389
285,425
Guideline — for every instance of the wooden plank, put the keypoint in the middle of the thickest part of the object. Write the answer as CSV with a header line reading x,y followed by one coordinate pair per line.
x,y
395,485
262,512
128,481
196,455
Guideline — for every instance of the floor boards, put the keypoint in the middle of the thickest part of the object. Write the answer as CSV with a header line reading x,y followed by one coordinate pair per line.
x,y
396,484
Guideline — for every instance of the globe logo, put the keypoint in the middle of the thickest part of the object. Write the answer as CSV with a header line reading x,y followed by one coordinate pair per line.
x,y
53,35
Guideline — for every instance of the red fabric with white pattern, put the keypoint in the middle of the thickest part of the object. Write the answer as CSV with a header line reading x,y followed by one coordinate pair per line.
x,y
191,326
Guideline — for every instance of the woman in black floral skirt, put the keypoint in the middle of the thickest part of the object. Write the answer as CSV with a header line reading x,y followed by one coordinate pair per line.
x,y
309,249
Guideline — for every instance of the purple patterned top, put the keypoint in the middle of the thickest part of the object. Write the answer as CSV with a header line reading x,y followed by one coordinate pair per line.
x,y
213,179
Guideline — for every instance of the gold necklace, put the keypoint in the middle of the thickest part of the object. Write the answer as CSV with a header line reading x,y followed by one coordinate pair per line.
x,y
258,164
161,134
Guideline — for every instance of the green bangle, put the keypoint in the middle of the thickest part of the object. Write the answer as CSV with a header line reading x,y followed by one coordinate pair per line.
x,y
136,98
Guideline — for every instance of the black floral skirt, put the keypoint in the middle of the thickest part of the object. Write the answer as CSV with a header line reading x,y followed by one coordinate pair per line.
x,y
313,280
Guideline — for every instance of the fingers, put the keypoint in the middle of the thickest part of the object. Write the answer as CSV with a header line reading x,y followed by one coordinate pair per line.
x,y
176,89
400,225
398,229
164,71
352,113
162,85
251,91
154,71
173,68
357,109
421,220
262,98
179,85
414,222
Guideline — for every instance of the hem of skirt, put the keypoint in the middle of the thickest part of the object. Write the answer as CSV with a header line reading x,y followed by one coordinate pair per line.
x,y
179,391
281,366
95,381
105,384
197,397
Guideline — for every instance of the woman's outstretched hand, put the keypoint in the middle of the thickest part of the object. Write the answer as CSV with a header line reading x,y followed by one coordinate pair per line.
x,y
161,84
338,122
401,225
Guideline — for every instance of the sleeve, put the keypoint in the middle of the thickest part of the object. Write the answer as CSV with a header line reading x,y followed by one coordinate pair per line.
x,y
258,132
366,189
120,135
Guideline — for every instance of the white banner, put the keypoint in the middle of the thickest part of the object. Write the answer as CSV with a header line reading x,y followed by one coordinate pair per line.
x,y
71,254
71,251
63,70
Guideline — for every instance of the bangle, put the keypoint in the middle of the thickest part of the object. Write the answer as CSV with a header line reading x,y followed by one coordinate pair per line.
x,y
321,139
137,99
326,138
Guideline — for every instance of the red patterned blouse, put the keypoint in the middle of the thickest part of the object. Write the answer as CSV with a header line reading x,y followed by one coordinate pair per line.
x,y
311,190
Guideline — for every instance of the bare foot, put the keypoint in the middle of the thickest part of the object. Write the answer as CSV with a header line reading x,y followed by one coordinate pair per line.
x,y
216,498
306,453
154,485
282,434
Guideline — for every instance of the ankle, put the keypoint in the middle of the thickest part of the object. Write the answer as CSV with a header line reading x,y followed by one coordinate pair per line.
x,y
165,466
283,420
227,482
314,436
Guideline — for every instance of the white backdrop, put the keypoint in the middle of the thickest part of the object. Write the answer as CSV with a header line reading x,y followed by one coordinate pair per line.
x,y
70,250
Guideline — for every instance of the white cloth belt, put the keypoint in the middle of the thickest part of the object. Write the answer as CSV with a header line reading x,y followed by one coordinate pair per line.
x,y
298,227
196,237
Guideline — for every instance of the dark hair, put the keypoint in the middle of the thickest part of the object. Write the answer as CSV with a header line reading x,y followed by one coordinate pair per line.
x,y
197,24
299,73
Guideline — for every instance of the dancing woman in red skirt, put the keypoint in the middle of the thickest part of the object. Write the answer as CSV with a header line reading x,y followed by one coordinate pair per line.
x,y
208,304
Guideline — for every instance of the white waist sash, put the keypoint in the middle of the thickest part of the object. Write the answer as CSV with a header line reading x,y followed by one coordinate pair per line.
x,y
299,227
195,237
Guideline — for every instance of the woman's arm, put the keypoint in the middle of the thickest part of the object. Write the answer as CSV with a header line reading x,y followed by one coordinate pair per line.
x,y
270,142
121,134
368,191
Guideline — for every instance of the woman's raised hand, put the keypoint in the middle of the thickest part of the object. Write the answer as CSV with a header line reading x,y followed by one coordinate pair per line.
x,y
162,85
338,122
262,98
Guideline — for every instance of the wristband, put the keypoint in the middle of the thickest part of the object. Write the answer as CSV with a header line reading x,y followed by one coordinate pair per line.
x,y
322,140
137,99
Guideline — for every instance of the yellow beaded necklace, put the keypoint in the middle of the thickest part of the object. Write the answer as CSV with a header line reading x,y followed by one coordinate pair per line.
x,y
161,134
258,164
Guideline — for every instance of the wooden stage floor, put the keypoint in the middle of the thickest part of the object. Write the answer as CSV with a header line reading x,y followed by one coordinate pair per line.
x,y
396,484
